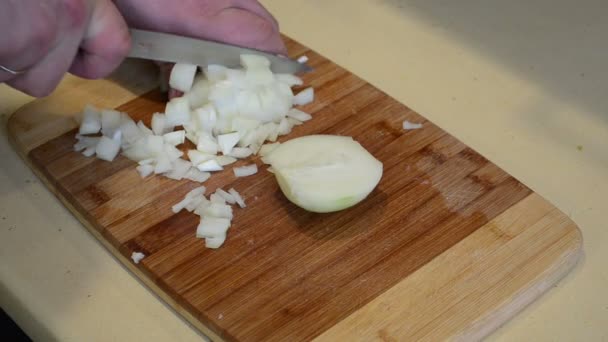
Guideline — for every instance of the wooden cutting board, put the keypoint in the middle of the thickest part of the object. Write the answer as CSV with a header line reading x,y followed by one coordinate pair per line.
x,y
447,246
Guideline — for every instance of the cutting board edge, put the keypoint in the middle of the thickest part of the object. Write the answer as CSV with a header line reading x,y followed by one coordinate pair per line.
x,y
527,296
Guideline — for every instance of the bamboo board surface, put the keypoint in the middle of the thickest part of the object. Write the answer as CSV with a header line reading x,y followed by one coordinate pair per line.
x,y
448,245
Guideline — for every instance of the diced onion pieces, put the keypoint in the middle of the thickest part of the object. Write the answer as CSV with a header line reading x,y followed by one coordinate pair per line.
x,y
245,171
137,257
182,76
237,197
410,125
107,149
91,121
304,97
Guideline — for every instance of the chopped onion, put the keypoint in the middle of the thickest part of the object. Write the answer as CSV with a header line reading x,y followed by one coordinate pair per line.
x,y
196,192
197,157
107,149
227,197
237,197
409,125
91,121
197,175
245,171
207,144
206,117
145,131
175,138
160,125
227,141
89,151
215,242
240,152
179,170
209,165
182,76
163,164
137,257
215,73
130,132
298,115
212,227
324,173
178,111
218,210
145,170
284,127
289,79
110,122
267,148
225,160
204,203
215,198
304,97
303,59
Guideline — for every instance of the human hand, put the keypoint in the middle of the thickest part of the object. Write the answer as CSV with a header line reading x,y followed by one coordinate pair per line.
x,y
48,38
240,22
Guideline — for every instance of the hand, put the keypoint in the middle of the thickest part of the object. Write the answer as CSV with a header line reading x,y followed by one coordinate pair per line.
x,y
48,38
240,22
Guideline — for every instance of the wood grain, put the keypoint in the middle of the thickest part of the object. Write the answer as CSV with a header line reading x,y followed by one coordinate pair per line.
x,y
448,245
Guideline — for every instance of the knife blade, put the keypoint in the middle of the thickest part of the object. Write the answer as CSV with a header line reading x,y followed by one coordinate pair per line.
x,y
166,47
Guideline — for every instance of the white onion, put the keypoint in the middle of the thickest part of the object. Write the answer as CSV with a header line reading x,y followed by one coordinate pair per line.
x,y
266,149
237,197
91,121
212,227
227,141
182,76
218,210
245,171
324,173
178,111
175,138
179,169
204,203
409,125
130,132
110,122
145,170
163,164
145,131
197,175
284,127
215,73
107,149
197,157
209,165
240,152
225,160
226,196
137,257
215,242
303,59
89,151
159,124
304,97
298,115
215,198
206,117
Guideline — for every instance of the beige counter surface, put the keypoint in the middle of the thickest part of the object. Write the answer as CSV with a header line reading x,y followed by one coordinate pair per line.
x,y
523,83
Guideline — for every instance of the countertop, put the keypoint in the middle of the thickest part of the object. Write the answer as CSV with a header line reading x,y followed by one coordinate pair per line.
x,y
523,83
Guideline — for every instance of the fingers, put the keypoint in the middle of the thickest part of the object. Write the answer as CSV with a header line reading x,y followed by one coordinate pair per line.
x,y
105,44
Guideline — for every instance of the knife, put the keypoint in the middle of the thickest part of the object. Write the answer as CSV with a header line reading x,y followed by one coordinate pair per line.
x,y
166,47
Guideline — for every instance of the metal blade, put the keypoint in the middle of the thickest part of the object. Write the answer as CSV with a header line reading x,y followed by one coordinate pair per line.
x,y
177,49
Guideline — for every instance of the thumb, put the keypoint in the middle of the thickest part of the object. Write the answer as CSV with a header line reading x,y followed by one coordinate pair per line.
x,y
105,44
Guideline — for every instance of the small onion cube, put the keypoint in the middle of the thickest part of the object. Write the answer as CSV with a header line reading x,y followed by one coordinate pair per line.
x,y
204,203
137,257
182,76
215,242
163,164
91,121
196,175
240,152
225,160
110,122
89,151
178,111
215,198
107,149
298,115
175,138
215,73
245,171
172,152
218,210
207,144
159,124
198,191
194,203
227,197
227,141
129,130
206,117
179,170
145,131
284,127
409,125
237,197
199,93
302,59
145,170
293,122
197,157
304,97
212,227
209,166
155,144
